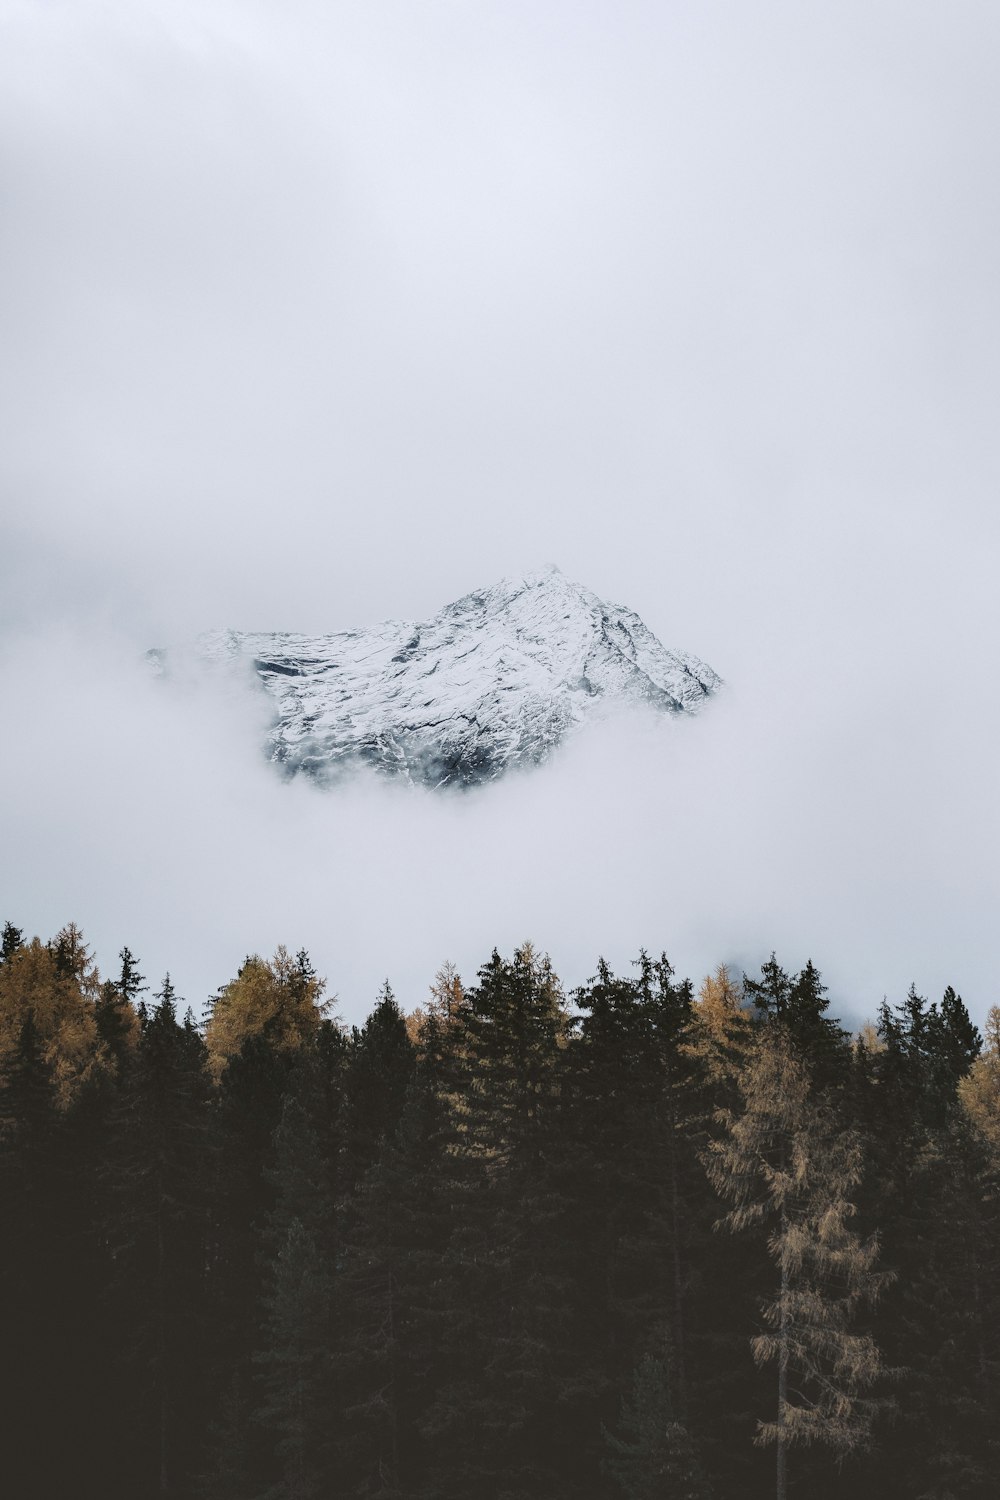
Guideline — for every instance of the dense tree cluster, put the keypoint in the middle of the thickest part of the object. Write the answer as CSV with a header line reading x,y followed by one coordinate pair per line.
x,y
636,1242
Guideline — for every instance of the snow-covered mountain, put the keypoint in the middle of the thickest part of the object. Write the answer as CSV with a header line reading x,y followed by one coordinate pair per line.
x,y
493,681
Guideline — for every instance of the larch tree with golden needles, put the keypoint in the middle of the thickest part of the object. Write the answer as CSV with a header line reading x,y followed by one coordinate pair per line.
x,y
783,1163
54,985
279,1000
979,1090
723,1027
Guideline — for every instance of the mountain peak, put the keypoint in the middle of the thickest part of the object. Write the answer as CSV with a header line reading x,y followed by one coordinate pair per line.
x,y
495,680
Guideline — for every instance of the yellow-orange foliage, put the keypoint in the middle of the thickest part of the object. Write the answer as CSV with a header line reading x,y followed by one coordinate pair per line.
x,y
979,1090
275,998
59,998
444,1005
722,1027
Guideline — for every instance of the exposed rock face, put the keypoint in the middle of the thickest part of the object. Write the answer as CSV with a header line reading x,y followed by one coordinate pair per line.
x,y
493,681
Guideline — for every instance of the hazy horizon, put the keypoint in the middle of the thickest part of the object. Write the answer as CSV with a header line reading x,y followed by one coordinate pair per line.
x,y
324,314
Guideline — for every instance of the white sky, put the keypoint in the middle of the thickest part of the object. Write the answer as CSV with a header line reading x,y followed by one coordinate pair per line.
x,y
318,313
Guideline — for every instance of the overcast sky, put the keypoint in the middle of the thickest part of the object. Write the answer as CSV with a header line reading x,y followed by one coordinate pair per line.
x,y
314,314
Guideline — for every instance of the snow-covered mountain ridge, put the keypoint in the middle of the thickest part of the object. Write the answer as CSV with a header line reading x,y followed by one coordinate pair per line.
x,y
495,680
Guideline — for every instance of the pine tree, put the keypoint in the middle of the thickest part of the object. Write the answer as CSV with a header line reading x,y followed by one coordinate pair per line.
x,y
655,1457
799,1002
130,983
293,1358
31,1193
396,1235
246,1110
156,1191
635,1076
505,1279
11,940
116,1010
957,1042
940,1217
380,1065
264,1026
944,1321
231,1469
928,1051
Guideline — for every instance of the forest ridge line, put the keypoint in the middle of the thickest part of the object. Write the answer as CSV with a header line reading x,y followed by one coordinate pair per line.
x,y
505,1245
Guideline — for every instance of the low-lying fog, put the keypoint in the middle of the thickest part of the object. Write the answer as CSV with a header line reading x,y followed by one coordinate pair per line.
x,y
838,819
318,313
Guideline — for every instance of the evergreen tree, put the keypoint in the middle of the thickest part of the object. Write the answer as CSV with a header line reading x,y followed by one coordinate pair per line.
x,y
942,1325
380,1066
930,1049
11,940
245,1113
293,1360
655,1458
957,1042
30,1262
637,1078
505,1278
799,1003
264,1025
392,1294
427,1258
231,1470
130,983
116,1010
941,1226
515,1023
156,1235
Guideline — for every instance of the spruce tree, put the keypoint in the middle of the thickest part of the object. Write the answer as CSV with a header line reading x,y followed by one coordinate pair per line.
x,y
117,1010
11,940
230,1469
392,1294
380,1065
653,1456
927,1052
245,1112
799,1002
293,1358
32,1194
504,1269
634,1079
156,1196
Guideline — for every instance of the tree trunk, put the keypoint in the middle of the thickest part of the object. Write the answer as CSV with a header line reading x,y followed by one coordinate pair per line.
x,y
394,1401
781,1457
161,1345
680,1369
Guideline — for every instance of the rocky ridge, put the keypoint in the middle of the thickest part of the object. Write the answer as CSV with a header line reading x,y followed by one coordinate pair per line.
x,y
495,680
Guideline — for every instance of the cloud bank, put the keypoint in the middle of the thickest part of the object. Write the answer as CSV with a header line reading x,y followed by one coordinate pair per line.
x,y
145,811
318,314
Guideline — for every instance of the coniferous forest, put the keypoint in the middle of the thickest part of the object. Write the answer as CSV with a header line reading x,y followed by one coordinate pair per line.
x,y
636,1241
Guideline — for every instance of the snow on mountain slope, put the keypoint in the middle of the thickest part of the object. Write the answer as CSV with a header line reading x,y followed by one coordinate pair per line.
x,y
493,681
